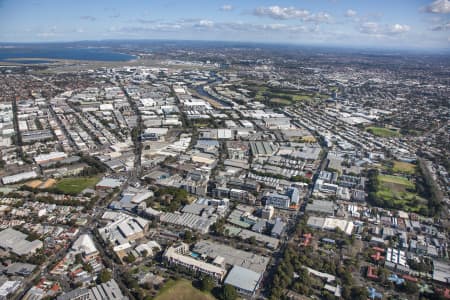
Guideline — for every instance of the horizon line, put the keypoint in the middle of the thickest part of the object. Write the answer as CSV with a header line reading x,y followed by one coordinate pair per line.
x,y
269,43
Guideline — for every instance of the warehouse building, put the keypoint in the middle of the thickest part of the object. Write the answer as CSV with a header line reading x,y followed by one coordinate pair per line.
x,y
108,184
321,206
109,290
124,229
263,149
19,177
16,242
50,157
244,280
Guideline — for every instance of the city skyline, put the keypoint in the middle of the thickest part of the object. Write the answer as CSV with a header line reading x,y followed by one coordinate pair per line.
x,y
405,24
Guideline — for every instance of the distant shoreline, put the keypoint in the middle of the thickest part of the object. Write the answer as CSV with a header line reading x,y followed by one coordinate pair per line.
x,y
50,55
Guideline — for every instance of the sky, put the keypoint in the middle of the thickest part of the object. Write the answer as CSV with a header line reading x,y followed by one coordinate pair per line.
x,y
409,24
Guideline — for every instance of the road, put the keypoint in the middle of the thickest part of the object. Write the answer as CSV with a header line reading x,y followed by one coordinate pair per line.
x,y
278,255
136,136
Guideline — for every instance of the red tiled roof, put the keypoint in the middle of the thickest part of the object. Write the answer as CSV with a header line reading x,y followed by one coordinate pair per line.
x,y
370,273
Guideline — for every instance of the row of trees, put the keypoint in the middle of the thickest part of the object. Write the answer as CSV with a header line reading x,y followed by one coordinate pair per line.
x,y
294,261
226,292
297,178
427,187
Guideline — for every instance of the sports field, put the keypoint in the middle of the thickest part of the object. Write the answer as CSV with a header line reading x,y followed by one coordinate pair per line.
x,y
382,132
74,185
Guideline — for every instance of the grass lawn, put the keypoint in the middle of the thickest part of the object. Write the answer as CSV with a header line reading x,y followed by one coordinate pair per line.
x,y
399,191
302,98
181,290
382,132
397,180
403,167
74,185
260,93
280,101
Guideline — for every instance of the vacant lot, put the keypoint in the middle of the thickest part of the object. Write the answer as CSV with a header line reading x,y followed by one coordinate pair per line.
x,y
403,167
34,183
181,290
74,185
48,183
309,139
382,132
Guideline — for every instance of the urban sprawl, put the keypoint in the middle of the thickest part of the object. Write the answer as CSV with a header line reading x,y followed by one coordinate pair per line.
x,y
226,173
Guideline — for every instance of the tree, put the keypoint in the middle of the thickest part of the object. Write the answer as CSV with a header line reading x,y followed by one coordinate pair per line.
x,y
207,284
218,227
188,236
144,253
78,259
359,293
252,240
105,276
346,292
410,287
129,258
229,292
327,296
87,267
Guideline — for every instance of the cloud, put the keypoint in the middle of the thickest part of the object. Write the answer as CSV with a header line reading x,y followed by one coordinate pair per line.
x,y
227,7
46,34
439,7
369,28
161,26
441,27
143,21
281,13
49,33
186,25
88,18
204,24
376,29
398,28
350,13
320,17
285,13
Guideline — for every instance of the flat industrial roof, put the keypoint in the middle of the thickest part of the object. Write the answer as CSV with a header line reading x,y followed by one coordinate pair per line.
x,y
243,279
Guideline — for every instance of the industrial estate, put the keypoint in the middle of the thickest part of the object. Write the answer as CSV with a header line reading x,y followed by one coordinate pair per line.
x,y
215,171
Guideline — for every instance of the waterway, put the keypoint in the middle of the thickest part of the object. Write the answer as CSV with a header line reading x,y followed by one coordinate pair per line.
x,y
39,54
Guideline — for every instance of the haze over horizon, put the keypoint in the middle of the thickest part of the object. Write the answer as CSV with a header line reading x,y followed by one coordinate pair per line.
x,y
407,24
